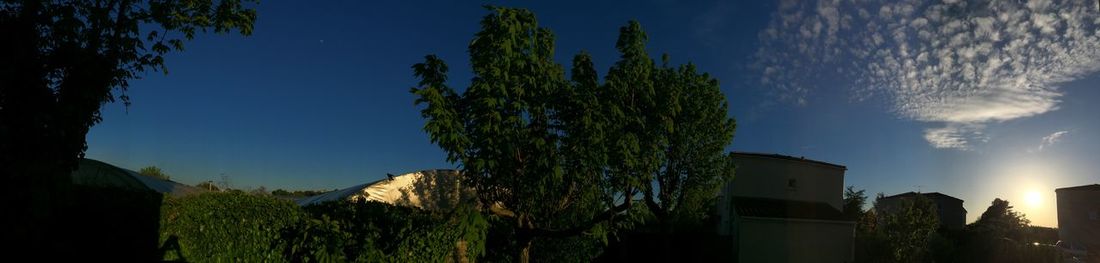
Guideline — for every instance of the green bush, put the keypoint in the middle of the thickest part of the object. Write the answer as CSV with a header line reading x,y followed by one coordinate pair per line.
x,y
227,227
377,232
240,227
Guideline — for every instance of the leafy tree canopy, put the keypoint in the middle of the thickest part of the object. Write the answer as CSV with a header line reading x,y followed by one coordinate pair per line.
x,y
561,156
153,171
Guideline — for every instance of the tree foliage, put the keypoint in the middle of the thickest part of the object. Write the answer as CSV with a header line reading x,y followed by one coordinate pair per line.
x,y
560,157
153,171
209,185
63,60
511,130
909,228
1000,221
853,203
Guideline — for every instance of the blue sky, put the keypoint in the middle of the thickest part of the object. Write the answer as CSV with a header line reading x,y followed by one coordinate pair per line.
x,y
971,99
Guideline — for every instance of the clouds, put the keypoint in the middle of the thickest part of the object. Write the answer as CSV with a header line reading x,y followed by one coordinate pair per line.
x,y
955,65
1048,141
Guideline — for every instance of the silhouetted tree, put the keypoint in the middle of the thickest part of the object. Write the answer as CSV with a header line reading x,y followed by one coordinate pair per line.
x,y
853,203
1000,221
999,235
63,60
153,171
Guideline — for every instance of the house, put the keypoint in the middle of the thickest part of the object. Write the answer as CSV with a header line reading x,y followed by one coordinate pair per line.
x,y
1079,217
785,209
949,209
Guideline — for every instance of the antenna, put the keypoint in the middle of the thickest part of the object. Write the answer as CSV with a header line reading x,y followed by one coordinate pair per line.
x,y
918,188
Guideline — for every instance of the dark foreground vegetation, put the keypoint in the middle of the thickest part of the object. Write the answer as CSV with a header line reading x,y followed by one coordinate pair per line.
x,y
567,167
912,233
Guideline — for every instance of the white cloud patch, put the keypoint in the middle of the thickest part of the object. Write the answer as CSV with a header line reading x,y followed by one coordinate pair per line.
x,y
957,65
1049,141
955,136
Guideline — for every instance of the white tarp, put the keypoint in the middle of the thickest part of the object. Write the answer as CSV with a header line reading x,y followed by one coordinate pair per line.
x,y
429,189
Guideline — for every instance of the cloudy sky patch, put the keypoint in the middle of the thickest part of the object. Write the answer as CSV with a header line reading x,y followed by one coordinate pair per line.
x,y
954,65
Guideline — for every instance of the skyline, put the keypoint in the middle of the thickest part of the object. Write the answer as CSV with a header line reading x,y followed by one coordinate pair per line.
x,y
317,97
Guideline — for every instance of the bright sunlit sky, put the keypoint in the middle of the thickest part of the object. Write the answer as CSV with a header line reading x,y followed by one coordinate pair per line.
x,y
971,99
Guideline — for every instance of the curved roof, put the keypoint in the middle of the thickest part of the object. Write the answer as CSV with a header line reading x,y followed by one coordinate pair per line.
x,y
100,174
428,189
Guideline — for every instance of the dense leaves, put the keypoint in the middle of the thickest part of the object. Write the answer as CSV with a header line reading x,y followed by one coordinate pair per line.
x,y
560,157
228,226
153,171
63,60
219,227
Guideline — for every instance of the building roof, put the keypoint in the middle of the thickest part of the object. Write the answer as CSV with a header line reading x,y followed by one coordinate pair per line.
x,y
100,174
789,158
1090,187
779,208
928,195
429,189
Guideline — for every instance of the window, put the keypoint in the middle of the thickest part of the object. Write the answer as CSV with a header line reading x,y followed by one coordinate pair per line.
x,y
792,183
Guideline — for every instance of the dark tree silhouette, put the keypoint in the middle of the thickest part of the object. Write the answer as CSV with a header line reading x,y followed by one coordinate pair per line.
x,y
63,60
853,203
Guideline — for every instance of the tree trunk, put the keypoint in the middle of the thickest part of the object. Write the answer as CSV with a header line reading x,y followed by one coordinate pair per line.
x,y
525,252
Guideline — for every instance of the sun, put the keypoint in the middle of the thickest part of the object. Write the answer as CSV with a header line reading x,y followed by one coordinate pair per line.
x,y
1033,199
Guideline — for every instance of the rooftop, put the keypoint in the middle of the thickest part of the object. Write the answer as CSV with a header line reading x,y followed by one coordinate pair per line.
x,y
789,158
1089,187
929,195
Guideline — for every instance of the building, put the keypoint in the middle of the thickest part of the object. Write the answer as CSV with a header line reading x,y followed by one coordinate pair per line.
x,y
785,209
1079,217
428,189
949,209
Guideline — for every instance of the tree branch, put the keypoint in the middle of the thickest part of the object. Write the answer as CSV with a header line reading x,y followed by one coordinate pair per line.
x,y
578,229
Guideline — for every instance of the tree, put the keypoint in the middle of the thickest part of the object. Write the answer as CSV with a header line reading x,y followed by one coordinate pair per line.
x,y
561,157
909,228
1000,221
259,191
997,236
208,185
153,171
63,60
685,121
853,203
531,143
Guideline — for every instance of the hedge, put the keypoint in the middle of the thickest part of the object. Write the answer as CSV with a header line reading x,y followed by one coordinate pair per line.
x,y
220,227
226,227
